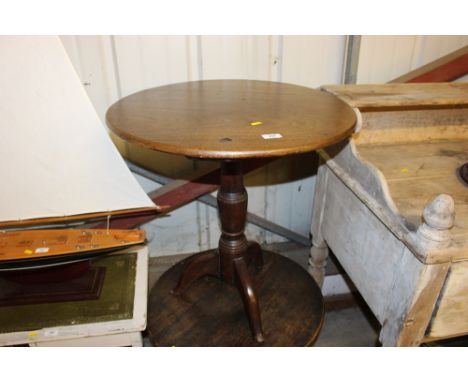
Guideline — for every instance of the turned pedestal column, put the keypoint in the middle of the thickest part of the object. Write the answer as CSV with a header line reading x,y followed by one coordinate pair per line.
x,y
231,259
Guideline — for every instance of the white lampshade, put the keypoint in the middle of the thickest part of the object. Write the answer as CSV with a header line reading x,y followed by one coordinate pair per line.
x,y
56,158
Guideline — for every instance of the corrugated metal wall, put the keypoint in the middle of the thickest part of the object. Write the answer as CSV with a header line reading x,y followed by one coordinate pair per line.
x,y
114,66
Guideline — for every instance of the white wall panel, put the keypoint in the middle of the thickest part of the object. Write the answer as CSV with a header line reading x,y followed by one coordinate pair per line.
x,y
149,61
383,58
92,59
312,60
462,79
237,57
429,48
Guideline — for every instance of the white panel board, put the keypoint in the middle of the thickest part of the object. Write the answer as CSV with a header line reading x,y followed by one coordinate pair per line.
x,y
56,158
289,194
383,58
177,233
312,60
92,58
237,57
430,48
184,230
149,61
462,79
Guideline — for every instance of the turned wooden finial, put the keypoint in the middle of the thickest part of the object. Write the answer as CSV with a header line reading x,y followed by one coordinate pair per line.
x,y
439,217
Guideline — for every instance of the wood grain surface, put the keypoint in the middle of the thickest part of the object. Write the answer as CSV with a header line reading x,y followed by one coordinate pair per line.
x,y
87,216
402,95
33,244
419,173
211,313
229,118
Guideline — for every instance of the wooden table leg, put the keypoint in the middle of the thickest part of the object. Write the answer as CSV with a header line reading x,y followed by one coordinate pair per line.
x,y
203,264
249,298
234,254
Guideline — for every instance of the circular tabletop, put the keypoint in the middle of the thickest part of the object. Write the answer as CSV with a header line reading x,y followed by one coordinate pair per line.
x,y
231,119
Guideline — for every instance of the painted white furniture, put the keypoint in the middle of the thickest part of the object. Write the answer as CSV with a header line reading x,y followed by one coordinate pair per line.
x,y
389,204
112,333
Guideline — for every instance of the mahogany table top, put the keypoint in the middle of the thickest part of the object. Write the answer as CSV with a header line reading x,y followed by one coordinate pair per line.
x,y
231,119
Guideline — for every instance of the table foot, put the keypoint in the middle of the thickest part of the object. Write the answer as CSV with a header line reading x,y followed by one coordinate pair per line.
x,y
208,264
249,298
202,264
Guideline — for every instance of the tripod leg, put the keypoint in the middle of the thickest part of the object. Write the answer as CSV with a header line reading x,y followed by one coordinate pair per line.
x,y
249,297
202,264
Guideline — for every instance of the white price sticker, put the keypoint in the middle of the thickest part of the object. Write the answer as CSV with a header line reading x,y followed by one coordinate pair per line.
x,y
42,250
272,136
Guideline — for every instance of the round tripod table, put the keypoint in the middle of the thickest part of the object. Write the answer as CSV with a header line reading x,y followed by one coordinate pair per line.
x,y
232,120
